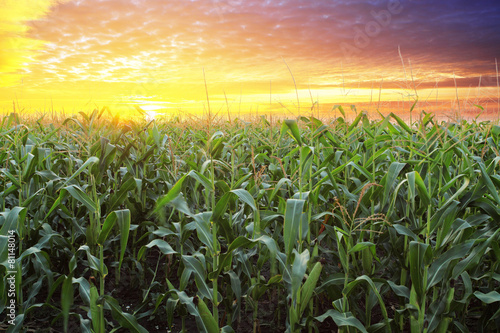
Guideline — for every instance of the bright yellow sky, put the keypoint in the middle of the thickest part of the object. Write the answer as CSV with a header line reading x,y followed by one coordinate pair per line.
x,y
78,54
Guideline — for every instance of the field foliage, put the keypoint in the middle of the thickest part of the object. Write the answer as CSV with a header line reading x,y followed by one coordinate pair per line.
x,y
299,225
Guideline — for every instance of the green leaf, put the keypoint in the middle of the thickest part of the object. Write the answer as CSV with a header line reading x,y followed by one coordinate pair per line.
x,y
218,216
293,218
474,257
85,325
244,242
107,226
200,275
414,176
126,320
12,221
401,123
361,246
342,319
84,288
193,310
119,197
401,291
390,178
278,186
402,230
122,217
18,324
171,194
95,310
206,316
91,160
162,245
294,129
181,205
491,187
306,154
491,297
202,223
93,261
439,267
306,291
123,220
12,178
436,314
82,197
202,179
354,123
66,299
417,256
299,268
246,197
366,279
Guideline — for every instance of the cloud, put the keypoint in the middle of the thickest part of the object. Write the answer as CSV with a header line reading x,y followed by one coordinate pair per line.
x,y
157,47
18,50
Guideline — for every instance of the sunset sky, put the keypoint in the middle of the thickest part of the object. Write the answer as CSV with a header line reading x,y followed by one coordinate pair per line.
x,y
78,54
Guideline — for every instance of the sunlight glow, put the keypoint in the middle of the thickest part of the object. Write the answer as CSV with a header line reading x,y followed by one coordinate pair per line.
x,y
149,107
254,56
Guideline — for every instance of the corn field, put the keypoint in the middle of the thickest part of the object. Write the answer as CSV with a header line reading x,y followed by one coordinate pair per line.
x,y
293,226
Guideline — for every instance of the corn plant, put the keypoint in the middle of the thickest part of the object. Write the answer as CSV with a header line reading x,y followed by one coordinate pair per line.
x,y
372,224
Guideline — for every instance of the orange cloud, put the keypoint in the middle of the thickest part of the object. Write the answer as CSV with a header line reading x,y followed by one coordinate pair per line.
x,y
17,49
124,51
